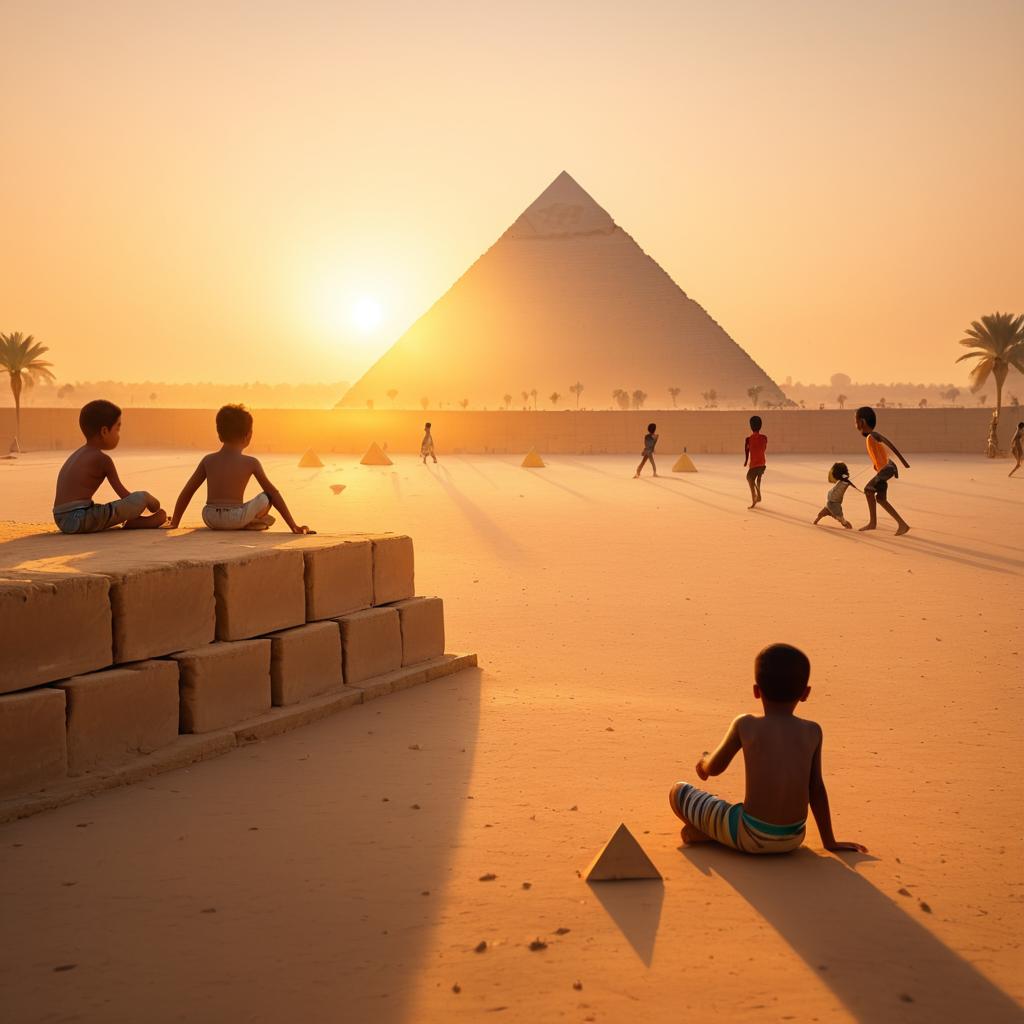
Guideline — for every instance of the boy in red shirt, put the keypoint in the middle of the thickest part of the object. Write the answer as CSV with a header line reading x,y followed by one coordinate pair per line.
x,y
877,488
753,452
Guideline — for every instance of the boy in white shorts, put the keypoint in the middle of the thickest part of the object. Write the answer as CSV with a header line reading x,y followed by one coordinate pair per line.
x,y
227,472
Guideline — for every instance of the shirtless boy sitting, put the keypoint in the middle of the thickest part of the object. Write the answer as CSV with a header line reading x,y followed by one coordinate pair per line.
x,y
782,757
227,472
80,477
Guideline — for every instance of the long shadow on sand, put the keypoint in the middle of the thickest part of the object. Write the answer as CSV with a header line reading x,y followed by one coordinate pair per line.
x,y
635,906
881,963
500,541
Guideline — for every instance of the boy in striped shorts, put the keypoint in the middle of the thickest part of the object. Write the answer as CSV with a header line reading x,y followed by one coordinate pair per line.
x,y
782,756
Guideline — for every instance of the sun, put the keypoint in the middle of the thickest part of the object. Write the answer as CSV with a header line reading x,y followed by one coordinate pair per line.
x,y
366,313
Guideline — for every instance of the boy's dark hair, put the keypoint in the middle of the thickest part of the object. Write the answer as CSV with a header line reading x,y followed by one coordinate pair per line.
x,y
1019,425
867,414
840,470
782,671
651,427
233,422
97,415
755,422
426,426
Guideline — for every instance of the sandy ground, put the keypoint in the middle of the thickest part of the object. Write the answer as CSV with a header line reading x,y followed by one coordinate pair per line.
x,y
332,874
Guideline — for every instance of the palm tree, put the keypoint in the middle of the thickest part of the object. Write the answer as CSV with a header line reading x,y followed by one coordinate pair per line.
x,y
755,393
923,404
392,394
526,397
508,401
674,392
424,402
19,358
951,395
621,397
841,401
577,390
533,395
554,397
639,397
998,343
464,403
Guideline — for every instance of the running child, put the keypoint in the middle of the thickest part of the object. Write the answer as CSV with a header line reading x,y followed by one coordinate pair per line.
x,y
427,444
839,477
754,448
227,472
1017,447
877,488
782,759
650,440
87,467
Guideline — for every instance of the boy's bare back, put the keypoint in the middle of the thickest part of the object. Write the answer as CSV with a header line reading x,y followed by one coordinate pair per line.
x,y
81,475
227,475
779,753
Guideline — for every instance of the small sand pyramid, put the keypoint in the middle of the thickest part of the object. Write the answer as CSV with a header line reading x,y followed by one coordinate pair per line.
x,y
337,488
622,858
375,457
310,460
684,464
533,460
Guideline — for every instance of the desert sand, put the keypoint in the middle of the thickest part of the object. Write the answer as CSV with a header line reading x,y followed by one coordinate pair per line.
x,y
335,873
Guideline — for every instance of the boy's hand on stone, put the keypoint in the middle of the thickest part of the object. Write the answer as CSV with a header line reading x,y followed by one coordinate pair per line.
x,y
837,845
302,529
702,772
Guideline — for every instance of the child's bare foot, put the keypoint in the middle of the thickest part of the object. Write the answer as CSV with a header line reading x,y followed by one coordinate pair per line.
x,y
869,526
847,525
902,529
691,835
150,522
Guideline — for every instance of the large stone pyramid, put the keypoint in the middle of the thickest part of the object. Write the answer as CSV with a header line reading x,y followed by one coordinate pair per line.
x,y
564,295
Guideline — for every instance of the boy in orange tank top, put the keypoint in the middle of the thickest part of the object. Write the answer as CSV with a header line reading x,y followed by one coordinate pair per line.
x,y
877,488
754,448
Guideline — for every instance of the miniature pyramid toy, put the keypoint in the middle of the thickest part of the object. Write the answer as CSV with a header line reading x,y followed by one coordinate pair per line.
x,y
622,858
684,464
375,457
310,460
533,460
337,488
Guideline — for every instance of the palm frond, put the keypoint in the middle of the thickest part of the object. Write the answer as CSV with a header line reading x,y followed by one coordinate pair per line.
x,y
972,355
980,374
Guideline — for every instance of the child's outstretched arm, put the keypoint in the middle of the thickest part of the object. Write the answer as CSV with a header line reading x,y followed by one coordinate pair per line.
x,y
185,497
820,808
276,499
716,763
110,471
888,444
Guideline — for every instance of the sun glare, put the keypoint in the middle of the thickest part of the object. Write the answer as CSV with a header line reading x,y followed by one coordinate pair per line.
x,y
366,313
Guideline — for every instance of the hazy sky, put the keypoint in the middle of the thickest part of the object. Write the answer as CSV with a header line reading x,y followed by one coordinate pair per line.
x,y
231,191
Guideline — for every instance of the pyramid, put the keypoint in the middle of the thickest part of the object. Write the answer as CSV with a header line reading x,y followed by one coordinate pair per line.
x,y
533,460
622,858
563,295
684,464
375,457
337,488
310,460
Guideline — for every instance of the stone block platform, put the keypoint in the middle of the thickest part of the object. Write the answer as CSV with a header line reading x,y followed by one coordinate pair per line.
x,y
124,654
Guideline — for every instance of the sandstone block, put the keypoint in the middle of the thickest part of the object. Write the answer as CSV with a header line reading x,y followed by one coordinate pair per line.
x,y
33,741
51,627
223,684
422,621
304,662
160,609
371,643
392,569
115,715
339,579
259,593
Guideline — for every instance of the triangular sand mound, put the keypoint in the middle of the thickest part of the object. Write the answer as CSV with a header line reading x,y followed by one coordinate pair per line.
x,y
622,858
684,464
533,460
310,460
375,457
337,488
564,295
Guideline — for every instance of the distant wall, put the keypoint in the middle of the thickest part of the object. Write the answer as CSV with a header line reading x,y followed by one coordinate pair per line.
x,y
588,432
